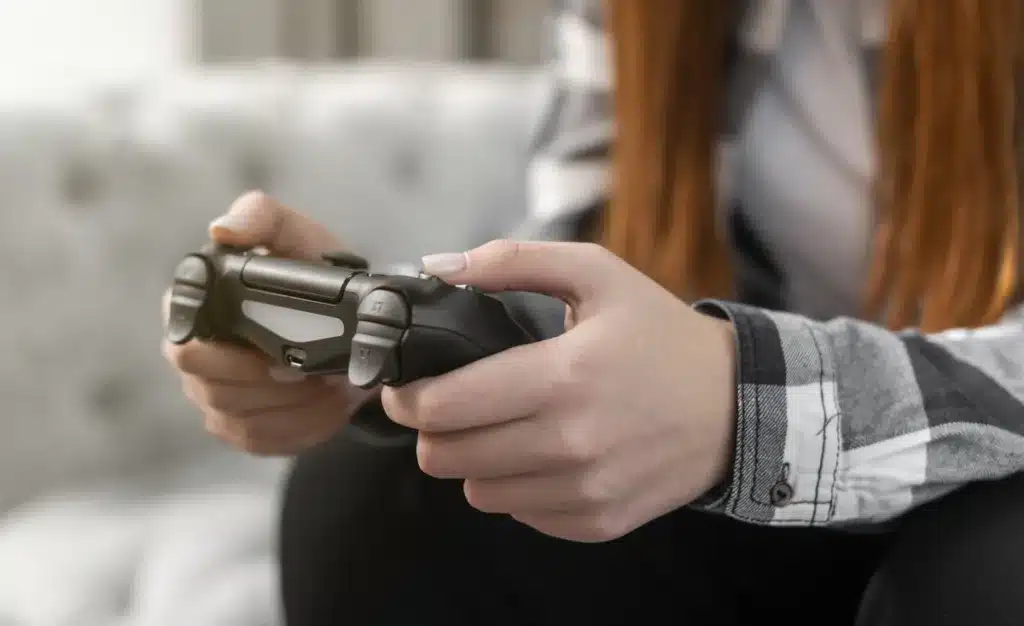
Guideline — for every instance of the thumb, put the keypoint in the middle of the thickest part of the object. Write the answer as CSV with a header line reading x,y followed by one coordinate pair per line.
x,y
256,219
574,272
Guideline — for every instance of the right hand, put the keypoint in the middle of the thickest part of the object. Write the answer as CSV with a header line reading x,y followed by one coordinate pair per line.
x,y
245,400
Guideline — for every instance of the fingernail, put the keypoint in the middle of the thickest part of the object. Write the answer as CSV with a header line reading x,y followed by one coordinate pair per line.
x,y
445,263
232,222
286,374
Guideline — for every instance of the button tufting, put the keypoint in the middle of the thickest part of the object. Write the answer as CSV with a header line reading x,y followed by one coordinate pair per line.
x,y
81,184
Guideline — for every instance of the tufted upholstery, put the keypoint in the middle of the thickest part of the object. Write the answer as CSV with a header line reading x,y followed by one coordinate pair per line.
x,y
102,190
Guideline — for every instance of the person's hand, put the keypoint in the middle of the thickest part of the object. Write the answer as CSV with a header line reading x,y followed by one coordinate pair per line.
x,y
245,401
627,416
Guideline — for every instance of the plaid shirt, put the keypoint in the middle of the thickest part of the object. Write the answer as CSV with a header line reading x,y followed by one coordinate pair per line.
x,y
840,422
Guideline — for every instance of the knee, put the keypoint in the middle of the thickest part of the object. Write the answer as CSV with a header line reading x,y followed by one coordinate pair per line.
x,y
344,488
959,561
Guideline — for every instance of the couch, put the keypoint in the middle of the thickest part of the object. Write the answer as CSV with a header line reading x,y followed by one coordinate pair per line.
x,y
115,507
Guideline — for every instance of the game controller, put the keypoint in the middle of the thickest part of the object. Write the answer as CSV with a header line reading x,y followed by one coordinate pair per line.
x,y
336,317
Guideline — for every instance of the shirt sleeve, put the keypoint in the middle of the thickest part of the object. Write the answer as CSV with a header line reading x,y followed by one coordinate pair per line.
x,y
843,423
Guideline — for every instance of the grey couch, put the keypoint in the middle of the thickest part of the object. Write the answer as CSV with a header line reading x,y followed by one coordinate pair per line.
x,y
103,190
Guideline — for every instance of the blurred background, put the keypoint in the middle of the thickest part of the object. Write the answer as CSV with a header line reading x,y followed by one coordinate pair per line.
x,y
125,127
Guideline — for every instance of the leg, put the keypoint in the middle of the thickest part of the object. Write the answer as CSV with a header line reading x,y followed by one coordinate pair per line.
x,y
366,539
360,537
957,561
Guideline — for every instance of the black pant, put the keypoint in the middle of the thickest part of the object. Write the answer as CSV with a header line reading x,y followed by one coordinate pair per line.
x,y
368,539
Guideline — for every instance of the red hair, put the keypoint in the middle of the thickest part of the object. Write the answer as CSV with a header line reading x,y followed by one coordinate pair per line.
x,y
947,246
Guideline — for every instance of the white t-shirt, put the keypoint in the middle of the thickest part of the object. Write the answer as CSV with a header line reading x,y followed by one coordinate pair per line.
x,y
805,158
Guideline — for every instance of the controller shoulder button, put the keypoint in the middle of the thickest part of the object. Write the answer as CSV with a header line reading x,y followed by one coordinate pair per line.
x,y
383,306
192,271
185,313
347,260
188,299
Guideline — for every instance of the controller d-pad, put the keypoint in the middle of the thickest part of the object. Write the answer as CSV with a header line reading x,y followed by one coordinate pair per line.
x,y
188,295
383,317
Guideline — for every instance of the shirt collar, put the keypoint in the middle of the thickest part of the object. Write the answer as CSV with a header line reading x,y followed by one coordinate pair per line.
x,y
764,22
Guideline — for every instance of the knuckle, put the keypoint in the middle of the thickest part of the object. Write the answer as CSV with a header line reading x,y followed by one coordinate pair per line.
x,y
179,356
595,489
243,436
479,497
259,447
576,442
427,409
500,250
189,392
573,369
409,407
389,401
219,425
429,456
602,527
216,397
206,397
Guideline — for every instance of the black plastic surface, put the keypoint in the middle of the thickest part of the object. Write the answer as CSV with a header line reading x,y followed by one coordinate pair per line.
x,y
340,258
337,319
294,278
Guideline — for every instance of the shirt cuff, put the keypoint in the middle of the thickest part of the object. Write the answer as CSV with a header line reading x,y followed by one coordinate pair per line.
x,y
787,423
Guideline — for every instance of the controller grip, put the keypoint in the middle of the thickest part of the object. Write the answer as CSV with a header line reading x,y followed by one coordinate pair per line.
x,y
483,327
456,328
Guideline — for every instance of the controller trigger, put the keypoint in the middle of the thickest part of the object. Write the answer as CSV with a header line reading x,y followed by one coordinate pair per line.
x,y
374,358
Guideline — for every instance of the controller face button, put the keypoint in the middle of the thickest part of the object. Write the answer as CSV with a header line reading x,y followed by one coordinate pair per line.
x,y
192,271
374,358
384,307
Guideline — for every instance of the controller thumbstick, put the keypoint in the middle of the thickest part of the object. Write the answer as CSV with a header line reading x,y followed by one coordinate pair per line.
x,y
188,297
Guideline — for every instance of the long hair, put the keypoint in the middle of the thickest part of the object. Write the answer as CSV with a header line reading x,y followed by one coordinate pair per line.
x,y
947,210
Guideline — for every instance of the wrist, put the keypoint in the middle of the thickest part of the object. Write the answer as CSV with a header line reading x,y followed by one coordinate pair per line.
x,y
724,414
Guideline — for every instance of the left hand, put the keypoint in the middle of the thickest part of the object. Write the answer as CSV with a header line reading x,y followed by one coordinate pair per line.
x,y
587,436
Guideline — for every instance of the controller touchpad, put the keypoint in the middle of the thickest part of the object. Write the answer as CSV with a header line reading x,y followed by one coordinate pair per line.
x,y
292,324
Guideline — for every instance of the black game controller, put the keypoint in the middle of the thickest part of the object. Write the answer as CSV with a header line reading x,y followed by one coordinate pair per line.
x,y
337,317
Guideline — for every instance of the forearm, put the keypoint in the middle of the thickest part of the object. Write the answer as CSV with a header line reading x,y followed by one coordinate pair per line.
x,y
844,423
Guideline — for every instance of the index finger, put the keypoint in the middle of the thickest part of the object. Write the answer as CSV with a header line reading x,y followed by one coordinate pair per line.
x,y
219,362
503,387
256,219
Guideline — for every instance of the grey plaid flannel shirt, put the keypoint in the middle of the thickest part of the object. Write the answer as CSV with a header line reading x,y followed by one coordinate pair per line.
x,y
840,423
